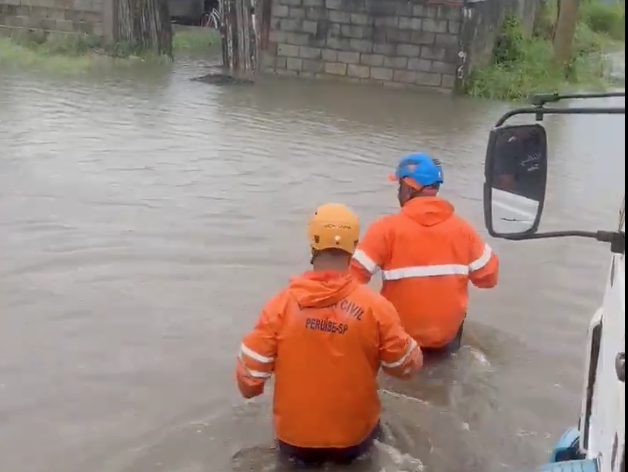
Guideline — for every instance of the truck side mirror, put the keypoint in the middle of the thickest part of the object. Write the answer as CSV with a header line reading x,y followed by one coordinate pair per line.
x,y
515,180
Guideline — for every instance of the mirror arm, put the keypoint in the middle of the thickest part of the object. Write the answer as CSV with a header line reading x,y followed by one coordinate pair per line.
x,y
616,239
543,99
540,112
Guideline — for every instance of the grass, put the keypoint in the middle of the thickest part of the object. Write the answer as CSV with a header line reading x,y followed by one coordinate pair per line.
x,y
78,53
189,40
522,63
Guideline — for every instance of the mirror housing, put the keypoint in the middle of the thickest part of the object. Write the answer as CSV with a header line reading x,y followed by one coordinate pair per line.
x,y
515,180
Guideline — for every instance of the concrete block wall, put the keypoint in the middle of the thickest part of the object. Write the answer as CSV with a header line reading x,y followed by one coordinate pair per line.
x,y
56,16
396,43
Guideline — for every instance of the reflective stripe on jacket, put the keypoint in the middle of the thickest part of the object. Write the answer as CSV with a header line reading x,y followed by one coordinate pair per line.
x,y
325,337
427,255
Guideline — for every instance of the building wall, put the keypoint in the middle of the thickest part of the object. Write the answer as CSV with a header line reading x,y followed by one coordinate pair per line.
x,y
387,42
483,20
56,16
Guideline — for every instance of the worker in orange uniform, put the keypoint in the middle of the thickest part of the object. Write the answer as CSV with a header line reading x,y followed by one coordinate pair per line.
x,y
325,337
427,255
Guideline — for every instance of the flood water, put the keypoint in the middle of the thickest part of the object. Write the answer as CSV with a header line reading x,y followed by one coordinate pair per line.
x,y
145,218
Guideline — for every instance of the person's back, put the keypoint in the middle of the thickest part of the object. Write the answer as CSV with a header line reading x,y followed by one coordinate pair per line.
x,y
325,337
427,255
328,360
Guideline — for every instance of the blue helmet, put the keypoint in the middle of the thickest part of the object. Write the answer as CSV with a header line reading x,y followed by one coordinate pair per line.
x,y
421,168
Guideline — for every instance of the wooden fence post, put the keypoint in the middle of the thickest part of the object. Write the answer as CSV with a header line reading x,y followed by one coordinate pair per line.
x,y
239,36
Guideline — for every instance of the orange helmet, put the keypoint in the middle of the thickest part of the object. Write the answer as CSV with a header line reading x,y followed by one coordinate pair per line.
x,y
334,226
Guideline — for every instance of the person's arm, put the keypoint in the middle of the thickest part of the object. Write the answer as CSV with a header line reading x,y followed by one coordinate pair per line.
x,y
372,253
483,262
399,354
256,361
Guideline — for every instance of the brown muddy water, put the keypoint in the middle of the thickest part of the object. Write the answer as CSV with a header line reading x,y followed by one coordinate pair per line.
x,y
145,218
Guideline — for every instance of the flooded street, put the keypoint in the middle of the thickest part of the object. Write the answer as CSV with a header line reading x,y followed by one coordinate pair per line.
x,y
145,218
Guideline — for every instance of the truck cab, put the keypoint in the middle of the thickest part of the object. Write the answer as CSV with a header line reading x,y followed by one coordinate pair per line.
x,y
516,170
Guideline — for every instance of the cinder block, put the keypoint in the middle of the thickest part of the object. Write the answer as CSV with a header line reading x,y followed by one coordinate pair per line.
x,y
408,50
355,31
297,13
334,30
276,36
294,63
446,40
405,76
336,16
433,52
429,79
333,4
309,27
453,26
453,13
267,61
342,44
329,55
384,48
362,72
422,37
289,24
422,65
314,3
287,50
98,30
418,11
348,57
361,45
381,73
431,12
280,11
290,3
403,8
306,52
448,81
396,62
443,68
315,14
361,19
313,66
298,39
373,60
396,35
82,27
387,22
434,26
335,68
281,63
405,22
417,24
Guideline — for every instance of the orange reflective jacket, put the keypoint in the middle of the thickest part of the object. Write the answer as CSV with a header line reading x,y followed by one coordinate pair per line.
x,y
325,337
427,256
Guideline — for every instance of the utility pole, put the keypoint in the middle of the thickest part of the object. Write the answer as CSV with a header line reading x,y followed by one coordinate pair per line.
x,y
565,31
